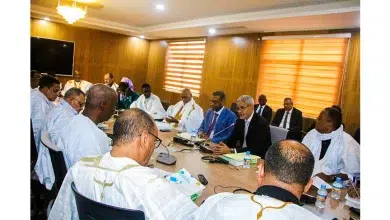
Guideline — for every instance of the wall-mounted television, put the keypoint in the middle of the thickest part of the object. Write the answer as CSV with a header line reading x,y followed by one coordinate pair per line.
x,y
49,55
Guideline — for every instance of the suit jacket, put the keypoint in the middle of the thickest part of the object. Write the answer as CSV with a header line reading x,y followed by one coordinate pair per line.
x,y
267,112
226,118
258,138
295,119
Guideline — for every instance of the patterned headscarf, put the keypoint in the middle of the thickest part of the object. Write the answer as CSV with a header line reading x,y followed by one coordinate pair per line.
x,y
128,82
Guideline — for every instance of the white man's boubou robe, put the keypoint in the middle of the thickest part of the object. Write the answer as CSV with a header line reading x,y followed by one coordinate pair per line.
x,y
83,85
57,119
40,108
342,156
114,86
134,187
81,138
191,115
229,206
152,106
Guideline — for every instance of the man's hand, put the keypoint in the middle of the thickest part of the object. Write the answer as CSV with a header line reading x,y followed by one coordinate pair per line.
x,y
171,120
203,135
221,148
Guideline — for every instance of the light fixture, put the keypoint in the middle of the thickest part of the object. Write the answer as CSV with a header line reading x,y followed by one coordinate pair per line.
x,y
212,31
142,36
71,12
46,19
160,7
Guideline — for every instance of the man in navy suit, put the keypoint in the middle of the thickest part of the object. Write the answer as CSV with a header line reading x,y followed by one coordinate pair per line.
x,y
218,118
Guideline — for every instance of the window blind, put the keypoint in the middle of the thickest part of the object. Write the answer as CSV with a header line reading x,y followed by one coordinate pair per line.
x,y
184,66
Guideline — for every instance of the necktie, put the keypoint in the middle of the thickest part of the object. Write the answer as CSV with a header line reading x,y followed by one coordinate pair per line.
x,y
285,119
212,125
245,132
261,108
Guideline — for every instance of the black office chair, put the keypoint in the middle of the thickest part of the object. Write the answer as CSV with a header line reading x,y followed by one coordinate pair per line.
x,y
89,209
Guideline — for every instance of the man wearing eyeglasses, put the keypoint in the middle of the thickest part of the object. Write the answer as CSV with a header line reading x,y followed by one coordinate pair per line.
x,y
121,178
251,131
57,119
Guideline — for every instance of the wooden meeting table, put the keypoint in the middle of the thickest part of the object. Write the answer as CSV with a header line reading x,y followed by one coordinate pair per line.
x,y
219,175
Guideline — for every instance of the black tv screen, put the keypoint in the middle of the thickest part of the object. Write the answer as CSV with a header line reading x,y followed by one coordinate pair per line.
x,y
54,56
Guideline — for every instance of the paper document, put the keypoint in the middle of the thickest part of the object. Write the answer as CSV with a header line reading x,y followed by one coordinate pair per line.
x,y
163,126
317,182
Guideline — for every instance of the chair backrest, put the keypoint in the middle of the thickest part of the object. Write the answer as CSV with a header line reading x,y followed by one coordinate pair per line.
x,y
233,108
33,147
277,134
57,161
90,209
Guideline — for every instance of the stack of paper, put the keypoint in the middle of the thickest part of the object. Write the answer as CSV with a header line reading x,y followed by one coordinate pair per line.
x,y
187,184
163,126
238,159
187,136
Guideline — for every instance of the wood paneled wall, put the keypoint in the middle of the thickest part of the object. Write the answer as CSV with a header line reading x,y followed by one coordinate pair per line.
x,y
99,52
231,64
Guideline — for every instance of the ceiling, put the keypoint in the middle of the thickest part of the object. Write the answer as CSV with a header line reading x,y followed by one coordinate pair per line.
x,y
192,18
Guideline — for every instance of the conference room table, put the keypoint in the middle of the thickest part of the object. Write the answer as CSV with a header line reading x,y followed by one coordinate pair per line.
x,y
222,177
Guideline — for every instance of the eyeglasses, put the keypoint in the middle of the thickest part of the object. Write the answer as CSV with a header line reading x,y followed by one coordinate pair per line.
x,y
240,108
81,104
157,141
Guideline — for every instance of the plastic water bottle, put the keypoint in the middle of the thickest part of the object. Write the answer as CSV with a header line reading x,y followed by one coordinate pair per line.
x,y
193,137
336,190
321,197
247,160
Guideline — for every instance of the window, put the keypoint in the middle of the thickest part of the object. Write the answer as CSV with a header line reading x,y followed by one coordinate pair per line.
x,y
184,64
308,70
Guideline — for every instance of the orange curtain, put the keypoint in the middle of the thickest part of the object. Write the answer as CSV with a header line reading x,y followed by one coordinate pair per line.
x,y
307,70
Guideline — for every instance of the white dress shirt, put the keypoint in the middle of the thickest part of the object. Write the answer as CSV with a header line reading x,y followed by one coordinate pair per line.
x,y
136,187
288,119
247,122
216,120
114,86
260,107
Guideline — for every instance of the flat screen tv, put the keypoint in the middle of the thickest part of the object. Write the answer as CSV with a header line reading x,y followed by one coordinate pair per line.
x,y
49,55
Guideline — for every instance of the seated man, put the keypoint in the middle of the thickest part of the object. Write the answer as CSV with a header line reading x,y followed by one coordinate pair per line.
x,y
126,96
82,137
150,103
57,119
336,153
282,178
251,131
42,102
289,118
263,109
109,81
219,121
120,178
77,83
34,79
186,114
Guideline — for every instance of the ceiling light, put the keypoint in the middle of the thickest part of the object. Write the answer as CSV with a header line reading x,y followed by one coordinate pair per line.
x,y
142,36
212,31
160,7
72,12
46,19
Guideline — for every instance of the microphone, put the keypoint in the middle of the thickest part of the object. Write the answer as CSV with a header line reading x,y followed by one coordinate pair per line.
x,y
166,158
205,149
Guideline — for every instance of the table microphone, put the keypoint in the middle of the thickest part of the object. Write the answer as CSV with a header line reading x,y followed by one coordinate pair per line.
x,y
166,158
205,149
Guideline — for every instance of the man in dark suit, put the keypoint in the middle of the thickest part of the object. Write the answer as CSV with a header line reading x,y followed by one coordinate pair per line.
x,y
263,109
251,131
289,118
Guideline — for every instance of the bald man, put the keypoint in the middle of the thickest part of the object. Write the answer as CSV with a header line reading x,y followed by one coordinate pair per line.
x,y
78,83
186,115
282,178
82,137
109,81
130,183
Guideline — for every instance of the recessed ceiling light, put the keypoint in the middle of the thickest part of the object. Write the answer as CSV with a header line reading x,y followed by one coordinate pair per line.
x,y
160,7
142,36
212,31
46,19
